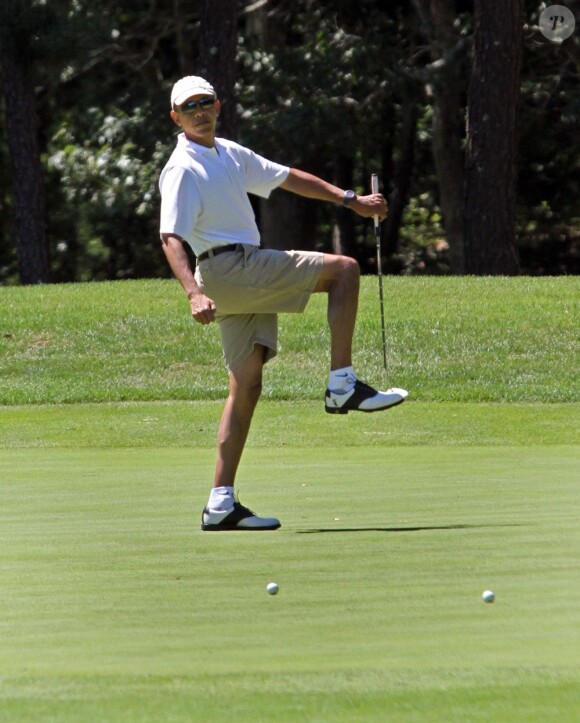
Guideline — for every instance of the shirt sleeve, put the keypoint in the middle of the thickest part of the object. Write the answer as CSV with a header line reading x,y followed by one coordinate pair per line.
x,y
262,175
180,202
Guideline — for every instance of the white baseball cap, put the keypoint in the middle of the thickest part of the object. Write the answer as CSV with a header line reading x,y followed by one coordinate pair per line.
x,y
188,86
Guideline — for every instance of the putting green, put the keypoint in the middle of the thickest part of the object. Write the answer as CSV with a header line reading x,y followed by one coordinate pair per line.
x,y
115,606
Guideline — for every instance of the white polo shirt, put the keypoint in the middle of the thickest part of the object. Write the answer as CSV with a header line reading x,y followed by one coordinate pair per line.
x,y
204,193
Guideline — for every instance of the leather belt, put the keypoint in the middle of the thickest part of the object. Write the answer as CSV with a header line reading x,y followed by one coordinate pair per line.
x,y
217,251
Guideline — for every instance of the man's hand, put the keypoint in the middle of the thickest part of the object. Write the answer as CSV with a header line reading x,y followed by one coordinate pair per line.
x,y
202,308
369,206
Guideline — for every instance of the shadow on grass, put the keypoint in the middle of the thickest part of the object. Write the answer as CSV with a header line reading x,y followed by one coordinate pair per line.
x,y
401,529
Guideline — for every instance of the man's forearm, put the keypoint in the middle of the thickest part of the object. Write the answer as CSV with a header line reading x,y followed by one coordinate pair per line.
x,y
179,261
305,184
203,309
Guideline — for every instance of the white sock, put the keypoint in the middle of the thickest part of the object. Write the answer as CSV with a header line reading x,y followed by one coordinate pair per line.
x,y
221,498
341,380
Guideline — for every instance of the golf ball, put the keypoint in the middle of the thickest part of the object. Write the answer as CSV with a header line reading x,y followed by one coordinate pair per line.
x,y
488,596
272,588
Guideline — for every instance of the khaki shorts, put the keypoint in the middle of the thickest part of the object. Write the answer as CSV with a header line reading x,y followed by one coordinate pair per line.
x,y
250,286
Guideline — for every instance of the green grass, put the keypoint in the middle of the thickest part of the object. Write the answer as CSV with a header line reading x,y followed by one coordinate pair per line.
x,y
449,339
114,606
294,424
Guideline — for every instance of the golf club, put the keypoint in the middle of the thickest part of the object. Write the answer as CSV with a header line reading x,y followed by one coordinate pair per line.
x,y
377,225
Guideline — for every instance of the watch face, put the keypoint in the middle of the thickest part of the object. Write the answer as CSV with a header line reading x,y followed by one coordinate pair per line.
x,y
348,197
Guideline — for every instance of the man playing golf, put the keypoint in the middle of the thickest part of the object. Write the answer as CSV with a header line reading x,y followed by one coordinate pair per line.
x,y
204,188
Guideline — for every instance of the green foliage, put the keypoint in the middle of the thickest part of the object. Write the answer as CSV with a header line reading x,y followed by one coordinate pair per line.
x,y
423,236
320,82
281,89
108,174
7,246
48,33
548,182
104,168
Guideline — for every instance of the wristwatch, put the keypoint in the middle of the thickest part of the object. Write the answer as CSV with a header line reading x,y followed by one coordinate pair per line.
x,y
348,197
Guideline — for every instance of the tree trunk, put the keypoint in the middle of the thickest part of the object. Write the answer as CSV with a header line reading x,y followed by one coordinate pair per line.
x,y
27,172
217,49
447,133
343,229
184,45
491,138
401,177
437,18
288,221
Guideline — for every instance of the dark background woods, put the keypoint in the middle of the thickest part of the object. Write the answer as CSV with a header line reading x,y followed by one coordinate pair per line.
x,y
466,111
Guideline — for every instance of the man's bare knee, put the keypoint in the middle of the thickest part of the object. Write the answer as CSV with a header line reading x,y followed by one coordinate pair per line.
x,y
251,389
351,268
349,276
246,378
342,270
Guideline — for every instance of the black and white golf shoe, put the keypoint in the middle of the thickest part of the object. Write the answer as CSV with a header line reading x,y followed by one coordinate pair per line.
x,y
363,398
236,518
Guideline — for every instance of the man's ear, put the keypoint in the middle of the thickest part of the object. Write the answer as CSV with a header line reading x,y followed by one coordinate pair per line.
x,y
175,118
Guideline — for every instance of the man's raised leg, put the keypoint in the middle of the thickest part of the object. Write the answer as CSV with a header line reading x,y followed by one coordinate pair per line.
x,y
340,279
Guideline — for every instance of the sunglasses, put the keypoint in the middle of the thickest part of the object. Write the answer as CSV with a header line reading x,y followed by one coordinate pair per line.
x,y
193,105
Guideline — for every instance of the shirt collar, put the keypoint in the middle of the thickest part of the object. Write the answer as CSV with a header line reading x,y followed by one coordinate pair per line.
x,y
184,142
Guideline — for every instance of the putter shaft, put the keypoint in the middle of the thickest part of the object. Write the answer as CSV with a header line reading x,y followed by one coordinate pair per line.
x,y
377,226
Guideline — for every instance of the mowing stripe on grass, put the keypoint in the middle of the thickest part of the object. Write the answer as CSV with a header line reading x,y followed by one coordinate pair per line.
x,y
288,424
115,606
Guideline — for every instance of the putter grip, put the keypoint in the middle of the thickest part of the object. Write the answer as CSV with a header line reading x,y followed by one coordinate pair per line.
x,y
375,189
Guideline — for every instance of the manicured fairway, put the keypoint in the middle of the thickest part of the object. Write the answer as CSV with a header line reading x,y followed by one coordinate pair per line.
x,y
116,607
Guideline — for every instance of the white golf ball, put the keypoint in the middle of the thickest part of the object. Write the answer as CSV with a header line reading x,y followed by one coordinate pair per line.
x,y
272,588
488,596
